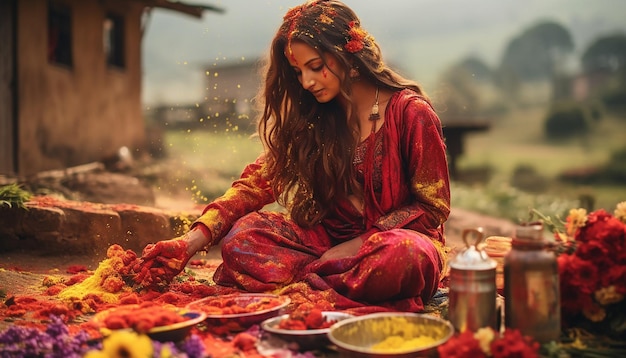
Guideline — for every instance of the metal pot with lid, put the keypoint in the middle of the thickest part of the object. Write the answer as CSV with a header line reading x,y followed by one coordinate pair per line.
x,y
472,296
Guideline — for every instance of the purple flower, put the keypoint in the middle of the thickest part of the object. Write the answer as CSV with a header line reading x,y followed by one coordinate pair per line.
x,y
193,346
54,341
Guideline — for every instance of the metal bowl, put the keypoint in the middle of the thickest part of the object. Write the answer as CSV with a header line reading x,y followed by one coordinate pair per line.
x,y
168,333
305,339
224,323
359,336
178,331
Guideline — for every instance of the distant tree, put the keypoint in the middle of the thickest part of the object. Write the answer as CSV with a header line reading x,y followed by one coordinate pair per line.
x,y
538,52
607,56
607,53
615,170
458,94
476,67
615,95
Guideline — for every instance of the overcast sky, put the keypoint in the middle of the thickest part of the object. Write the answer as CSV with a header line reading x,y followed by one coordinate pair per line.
x,y
423,37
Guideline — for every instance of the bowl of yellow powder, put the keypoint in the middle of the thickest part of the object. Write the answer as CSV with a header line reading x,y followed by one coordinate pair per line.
x,y
395,334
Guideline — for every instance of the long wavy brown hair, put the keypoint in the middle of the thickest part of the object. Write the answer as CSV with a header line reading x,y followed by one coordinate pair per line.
x,y
310,145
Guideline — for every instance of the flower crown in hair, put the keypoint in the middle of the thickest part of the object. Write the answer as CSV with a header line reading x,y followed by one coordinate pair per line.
x,y
357,38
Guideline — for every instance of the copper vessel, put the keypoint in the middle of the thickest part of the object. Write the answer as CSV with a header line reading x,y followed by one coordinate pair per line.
x,y
531,285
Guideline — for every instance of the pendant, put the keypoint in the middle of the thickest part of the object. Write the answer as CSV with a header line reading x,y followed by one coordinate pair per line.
x,y
374,115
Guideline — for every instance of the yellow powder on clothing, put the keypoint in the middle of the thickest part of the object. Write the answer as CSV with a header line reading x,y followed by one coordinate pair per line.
x,y
99,283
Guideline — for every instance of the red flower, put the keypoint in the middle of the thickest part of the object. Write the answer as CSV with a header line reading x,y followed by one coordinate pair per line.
x,y
593,277
592,250
617,276
357,37
578,273
513,344
462,345
508,345
354,46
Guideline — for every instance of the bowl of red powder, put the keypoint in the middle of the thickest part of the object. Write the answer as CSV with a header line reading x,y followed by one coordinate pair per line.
x,y
308,329
159,322
238,311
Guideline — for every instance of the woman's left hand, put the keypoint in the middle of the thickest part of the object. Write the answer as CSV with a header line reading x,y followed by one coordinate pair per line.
x,y
345,249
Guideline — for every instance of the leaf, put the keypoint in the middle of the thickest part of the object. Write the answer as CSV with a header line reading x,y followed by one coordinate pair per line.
x,y
13,195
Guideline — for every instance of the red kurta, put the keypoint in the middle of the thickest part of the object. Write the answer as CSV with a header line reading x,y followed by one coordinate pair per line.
x,y
404,172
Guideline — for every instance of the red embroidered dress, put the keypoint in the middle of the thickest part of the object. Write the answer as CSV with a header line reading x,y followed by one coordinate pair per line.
x,y
404,173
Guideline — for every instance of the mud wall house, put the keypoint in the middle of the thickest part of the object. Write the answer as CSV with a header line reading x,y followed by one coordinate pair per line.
x,y
228,104
70,80
233,87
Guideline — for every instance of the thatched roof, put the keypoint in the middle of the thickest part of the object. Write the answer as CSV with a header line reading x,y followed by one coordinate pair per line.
x,y
195,10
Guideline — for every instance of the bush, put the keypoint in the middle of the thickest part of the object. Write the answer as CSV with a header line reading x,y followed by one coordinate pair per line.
x,y
615,170
500,200
526,177
567,120
615,99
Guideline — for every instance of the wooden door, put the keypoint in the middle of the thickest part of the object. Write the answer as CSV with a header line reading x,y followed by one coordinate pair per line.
x,y
8,125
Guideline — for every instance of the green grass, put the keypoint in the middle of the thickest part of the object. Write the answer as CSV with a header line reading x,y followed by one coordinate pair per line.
x,y
226,153
207,162
519,140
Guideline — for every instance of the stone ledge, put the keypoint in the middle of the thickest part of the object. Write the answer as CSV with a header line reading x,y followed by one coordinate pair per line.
x,y
56,226
52,226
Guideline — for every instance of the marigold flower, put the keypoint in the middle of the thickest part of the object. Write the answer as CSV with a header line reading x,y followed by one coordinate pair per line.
x,y
608,295
620,211
357,38
354,46
594,313
577,218
485,336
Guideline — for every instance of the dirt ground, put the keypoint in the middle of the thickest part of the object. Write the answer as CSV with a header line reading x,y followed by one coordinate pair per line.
x,y
20,270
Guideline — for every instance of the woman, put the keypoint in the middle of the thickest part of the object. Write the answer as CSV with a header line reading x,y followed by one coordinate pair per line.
x,y
354,152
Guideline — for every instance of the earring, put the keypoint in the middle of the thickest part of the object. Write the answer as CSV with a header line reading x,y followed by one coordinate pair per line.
x,y
354,73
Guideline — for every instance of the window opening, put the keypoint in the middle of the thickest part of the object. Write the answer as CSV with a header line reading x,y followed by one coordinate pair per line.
x,y
113,31
59,34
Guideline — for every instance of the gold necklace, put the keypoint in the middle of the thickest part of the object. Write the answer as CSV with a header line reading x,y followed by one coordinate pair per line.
x,y
374,115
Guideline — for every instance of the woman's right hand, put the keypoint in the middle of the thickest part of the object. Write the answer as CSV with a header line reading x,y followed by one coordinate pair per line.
x,y
161,262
